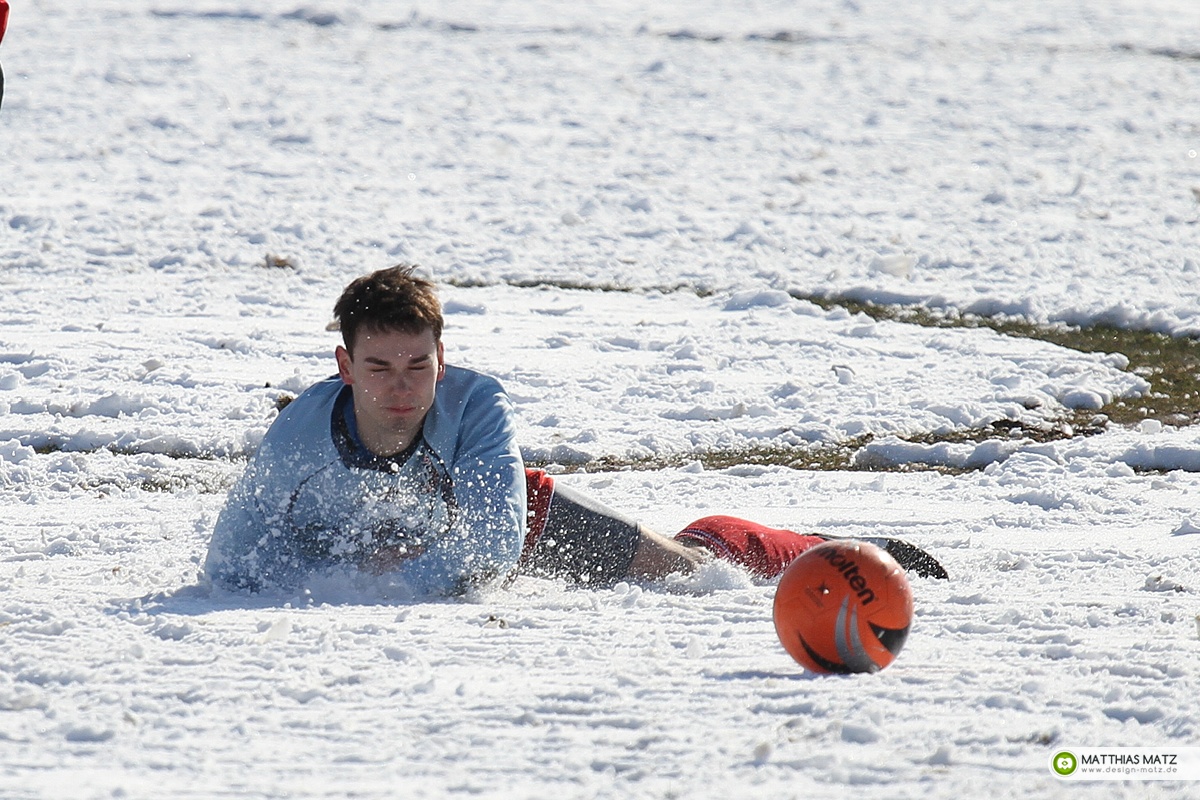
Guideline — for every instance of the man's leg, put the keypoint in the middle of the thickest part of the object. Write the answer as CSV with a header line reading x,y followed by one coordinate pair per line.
x,y
657,556
762,551
578,539
767,552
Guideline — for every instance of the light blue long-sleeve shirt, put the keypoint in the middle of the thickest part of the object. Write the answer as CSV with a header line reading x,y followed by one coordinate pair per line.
x,y
314,498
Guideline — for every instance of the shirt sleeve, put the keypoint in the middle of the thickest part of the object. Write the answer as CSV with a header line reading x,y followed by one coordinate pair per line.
x,y
238,527
249,549
252,548
488,479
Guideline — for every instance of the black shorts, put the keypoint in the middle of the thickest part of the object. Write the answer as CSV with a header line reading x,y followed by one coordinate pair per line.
x,y
584,541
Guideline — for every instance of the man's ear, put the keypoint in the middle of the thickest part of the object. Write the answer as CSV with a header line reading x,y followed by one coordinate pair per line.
x,y
441,357
344,362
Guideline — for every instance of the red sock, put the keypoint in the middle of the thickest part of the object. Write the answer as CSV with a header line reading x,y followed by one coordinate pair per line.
x,y
765,552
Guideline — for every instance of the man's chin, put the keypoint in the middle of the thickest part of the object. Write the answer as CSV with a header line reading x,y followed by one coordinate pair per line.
x,y
402,423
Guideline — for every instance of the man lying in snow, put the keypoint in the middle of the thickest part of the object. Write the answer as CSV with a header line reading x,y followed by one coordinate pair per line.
x,y
403,464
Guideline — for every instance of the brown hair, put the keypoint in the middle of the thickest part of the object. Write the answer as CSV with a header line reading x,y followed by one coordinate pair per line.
x,y
386,300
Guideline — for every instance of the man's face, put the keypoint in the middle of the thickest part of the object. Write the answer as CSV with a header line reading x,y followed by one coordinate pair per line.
x,y
393,376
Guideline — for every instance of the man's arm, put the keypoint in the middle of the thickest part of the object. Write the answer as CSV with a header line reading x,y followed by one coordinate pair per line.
x,y
229,552
247,551
489,484
252,547
472,428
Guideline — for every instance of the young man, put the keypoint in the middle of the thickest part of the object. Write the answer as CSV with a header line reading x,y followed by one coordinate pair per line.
x,y
402,464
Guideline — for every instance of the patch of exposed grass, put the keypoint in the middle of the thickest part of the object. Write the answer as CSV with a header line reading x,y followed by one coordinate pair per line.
x,y
825,457
582,286
1170,364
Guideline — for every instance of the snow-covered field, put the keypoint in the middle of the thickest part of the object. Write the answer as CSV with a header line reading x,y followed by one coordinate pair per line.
x,y
707,163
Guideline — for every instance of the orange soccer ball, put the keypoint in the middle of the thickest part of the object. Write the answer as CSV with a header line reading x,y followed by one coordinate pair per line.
x,y
843,606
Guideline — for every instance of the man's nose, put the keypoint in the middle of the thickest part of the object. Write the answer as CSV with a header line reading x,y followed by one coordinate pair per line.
x,y
400,383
